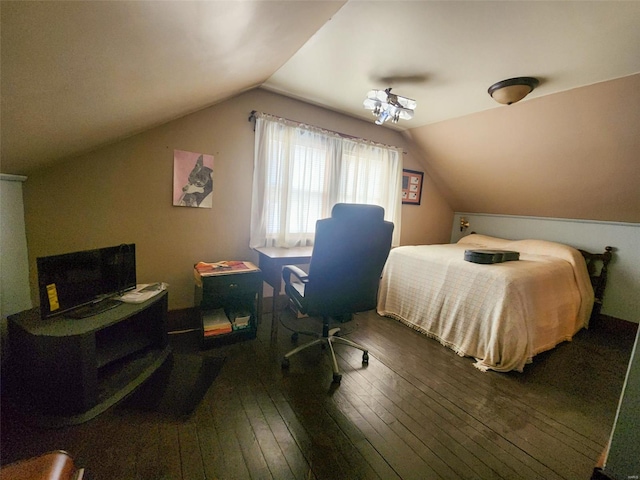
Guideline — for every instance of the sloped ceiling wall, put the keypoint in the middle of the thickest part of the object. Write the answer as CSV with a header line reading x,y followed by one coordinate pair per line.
x,y
574,154
80,75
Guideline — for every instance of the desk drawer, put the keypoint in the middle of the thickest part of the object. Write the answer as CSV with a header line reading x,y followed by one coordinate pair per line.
x,y
236,284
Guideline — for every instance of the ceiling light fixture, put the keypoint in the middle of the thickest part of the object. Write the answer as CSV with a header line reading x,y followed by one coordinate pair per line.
x,y
512,90
389,106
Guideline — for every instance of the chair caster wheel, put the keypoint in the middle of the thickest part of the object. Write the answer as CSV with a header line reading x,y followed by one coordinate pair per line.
x,y
285,363
365,358
294,337
337,377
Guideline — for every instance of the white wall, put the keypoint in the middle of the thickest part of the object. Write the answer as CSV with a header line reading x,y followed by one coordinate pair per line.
x,y
621,298
623,458
15,294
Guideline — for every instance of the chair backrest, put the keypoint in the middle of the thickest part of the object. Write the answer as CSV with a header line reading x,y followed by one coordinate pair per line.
x,y
349,253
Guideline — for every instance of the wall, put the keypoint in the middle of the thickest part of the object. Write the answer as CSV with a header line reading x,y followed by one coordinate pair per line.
x,y
570,155
623,456
123,193
621,298
14,272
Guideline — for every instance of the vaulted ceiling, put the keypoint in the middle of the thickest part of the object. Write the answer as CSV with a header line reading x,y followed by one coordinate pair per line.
x,y
79,75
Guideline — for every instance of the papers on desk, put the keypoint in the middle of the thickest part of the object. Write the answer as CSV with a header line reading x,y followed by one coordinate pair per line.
x,y
142,292
224,267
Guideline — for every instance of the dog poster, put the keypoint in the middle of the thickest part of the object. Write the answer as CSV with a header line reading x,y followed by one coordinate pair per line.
x,y
192,179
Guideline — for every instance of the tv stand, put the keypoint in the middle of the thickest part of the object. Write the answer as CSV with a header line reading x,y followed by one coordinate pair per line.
x,y
64,371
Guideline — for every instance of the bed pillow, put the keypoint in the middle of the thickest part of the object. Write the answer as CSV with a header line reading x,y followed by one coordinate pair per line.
x,y
569,254
484,241
545,247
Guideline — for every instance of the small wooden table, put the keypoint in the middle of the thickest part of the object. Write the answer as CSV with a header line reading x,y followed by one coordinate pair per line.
x,y
223,298
271,260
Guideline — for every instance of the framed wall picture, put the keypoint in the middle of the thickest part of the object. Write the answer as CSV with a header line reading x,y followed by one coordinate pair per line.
x,y
192,179
412,186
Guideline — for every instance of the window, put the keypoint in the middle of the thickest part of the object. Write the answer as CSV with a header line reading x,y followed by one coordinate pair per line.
x,y
300,172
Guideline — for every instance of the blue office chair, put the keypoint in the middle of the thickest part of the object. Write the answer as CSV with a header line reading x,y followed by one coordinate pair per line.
x,y
349,253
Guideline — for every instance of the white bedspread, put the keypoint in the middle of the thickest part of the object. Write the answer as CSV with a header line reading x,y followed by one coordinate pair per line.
x,y
501,314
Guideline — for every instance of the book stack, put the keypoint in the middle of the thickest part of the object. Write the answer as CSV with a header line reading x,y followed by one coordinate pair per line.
x,y
241,322
239,319
215,322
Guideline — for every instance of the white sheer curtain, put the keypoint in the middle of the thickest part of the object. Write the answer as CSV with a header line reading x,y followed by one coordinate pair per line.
x,y
300,172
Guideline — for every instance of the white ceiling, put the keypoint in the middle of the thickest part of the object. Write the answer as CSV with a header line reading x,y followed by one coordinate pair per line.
x,y
78,75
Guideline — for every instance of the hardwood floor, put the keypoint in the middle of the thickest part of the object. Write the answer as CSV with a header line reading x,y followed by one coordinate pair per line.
x,y
417,411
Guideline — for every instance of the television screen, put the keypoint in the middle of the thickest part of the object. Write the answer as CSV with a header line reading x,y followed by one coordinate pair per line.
x,y
72,280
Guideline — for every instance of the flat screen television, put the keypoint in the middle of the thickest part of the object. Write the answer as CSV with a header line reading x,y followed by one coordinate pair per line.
x,y
81,284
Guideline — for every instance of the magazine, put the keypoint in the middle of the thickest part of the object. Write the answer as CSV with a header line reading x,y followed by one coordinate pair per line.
x,y
224,267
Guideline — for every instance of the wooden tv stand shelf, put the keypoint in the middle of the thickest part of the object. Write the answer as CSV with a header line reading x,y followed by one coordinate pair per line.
x,y
66,371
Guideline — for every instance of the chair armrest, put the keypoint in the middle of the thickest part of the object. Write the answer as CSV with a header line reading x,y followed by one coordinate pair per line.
x,y
297,272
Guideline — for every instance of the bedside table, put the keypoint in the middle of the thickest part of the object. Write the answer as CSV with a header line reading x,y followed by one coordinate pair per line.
x,y
228,306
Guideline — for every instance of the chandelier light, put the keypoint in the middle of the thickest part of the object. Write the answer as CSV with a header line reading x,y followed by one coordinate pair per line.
x,y
388,106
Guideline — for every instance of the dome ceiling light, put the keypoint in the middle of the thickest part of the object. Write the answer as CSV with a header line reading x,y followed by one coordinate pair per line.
x,y
512,90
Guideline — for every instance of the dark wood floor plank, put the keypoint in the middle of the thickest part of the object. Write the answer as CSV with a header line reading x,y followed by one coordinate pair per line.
x,y
233,463
367,444
273,454
121,446
432,437
309,382
364,461
169,463
503,421
409,427
463,434
286,441
279,439
519,430
502,414
330,449
435,468
237,425
309,392
190,454
507,384
295,429
147,458
210,444
431,412
383,439
417,410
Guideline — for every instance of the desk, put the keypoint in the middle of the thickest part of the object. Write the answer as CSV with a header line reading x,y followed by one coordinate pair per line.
x,y
271,260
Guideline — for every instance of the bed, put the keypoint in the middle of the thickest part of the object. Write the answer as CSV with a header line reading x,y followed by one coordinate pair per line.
x,y
500,314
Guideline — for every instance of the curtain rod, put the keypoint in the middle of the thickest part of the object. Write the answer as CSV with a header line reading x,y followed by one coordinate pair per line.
x,y
252,117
